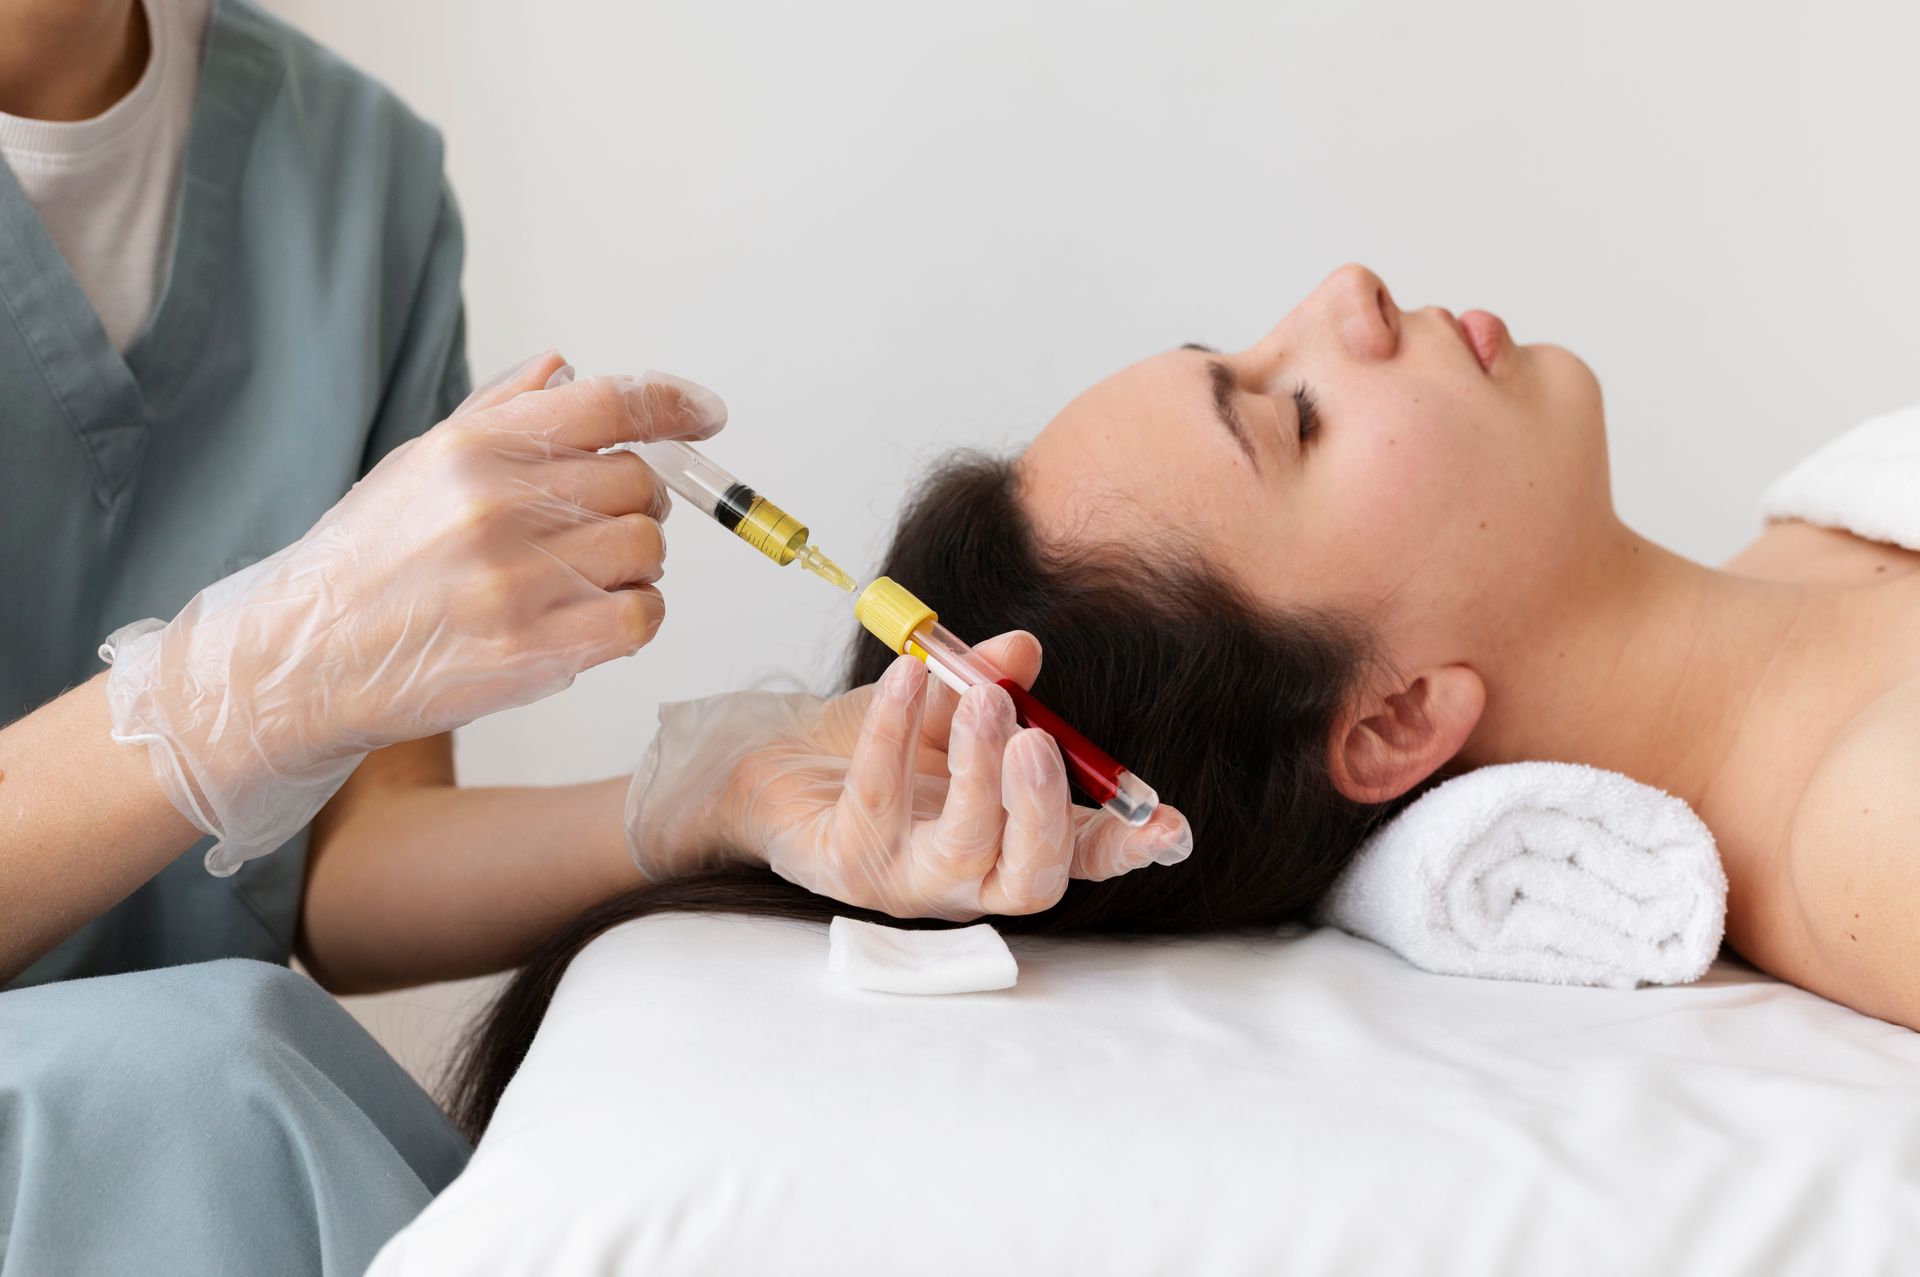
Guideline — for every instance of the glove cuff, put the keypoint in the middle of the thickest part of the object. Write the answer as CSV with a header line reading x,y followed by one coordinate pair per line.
x,y
677,814
204,749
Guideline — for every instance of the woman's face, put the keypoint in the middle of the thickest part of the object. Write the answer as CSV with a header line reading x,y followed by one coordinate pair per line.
x,y
1425,481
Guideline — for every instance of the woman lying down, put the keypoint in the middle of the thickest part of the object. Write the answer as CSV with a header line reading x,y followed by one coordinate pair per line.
x,y
1294,584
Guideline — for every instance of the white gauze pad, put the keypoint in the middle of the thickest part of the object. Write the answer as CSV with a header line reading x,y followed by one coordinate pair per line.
x,y
963,960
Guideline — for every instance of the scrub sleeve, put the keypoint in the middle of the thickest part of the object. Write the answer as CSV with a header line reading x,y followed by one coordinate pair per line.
x,y
223,1116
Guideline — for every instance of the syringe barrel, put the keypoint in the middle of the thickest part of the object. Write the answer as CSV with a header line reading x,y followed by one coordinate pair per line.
x,y
731,503
689,474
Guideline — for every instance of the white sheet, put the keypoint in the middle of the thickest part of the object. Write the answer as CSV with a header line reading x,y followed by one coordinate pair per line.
x,y
705,1098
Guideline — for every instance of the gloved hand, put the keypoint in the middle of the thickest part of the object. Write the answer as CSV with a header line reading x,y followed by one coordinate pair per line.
x,y
898,796
478,567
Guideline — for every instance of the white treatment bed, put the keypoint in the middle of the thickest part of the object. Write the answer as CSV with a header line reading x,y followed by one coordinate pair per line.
x,y
704,1098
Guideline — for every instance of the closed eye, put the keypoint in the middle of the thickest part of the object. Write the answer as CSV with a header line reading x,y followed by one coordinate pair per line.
x,y
1308,409
1306,405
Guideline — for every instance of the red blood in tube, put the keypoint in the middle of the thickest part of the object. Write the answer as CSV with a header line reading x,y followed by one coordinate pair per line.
x,y
1088,766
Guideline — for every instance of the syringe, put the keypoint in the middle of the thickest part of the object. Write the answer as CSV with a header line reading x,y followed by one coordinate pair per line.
x,y
739,509
894,616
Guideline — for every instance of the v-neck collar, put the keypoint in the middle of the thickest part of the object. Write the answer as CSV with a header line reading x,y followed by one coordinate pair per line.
x,y
110,400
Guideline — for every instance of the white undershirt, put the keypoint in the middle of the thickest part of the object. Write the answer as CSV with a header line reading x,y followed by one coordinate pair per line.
x,y
108,189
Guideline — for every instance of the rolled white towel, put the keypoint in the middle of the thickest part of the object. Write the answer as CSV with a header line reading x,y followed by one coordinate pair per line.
x,y
1548,872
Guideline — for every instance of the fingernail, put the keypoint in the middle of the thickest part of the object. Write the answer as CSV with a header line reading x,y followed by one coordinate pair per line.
x,y
708,407
702,417
1037,661
1167,846
562,376
900,681
656,610
1039,759
987,706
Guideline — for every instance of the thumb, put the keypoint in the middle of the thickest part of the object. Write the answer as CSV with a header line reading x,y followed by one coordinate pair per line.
x,y
1015,654
1106,848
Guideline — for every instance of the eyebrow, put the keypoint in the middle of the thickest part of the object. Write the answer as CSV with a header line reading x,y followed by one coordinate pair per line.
x,y
1223,386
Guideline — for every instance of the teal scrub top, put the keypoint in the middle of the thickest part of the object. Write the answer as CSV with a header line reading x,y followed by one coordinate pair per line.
x,y
310,322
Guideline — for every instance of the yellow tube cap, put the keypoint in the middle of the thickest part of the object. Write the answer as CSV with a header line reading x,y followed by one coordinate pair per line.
x,y
891,613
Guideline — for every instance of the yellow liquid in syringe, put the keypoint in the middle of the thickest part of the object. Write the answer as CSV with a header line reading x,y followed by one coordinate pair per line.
x,y
740,510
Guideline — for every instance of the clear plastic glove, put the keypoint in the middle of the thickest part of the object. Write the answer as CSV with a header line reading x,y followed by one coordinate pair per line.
x,y
478,567
898,796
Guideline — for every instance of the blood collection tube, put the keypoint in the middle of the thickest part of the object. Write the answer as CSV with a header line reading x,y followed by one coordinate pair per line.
x,y
894,616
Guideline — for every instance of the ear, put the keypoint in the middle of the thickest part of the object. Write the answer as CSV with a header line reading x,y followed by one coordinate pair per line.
x,y
1388,743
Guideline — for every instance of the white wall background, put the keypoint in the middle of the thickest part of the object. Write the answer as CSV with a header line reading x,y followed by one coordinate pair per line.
x,y
882,229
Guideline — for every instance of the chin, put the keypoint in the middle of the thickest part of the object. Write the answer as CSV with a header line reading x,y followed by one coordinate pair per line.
x,y
1574,417
1568,383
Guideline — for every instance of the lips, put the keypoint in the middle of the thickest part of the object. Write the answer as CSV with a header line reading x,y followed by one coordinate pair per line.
x,y
1487,334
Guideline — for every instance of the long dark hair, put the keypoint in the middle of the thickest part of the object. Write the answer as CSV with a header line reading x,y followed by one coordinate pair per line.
x,y
1225,707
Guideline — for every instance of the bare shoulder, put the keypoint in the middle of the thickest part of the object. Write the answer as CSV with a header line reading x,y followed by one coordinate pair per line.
x,y
1800,553
1852,863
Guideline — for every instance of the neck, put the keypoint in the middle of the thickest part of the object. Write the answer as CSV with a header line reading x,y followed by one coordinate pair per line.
x,y
69,59
1653,670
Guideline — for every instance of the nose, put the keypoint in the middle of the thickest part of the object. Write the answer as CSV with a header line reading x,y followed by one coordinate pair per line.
x,y
1362,312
